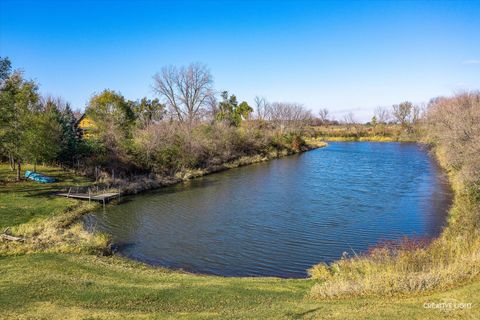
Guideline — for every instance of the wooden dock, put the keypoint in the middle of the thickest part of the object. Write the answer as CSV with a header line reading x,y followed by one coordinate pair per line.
x,y
101,197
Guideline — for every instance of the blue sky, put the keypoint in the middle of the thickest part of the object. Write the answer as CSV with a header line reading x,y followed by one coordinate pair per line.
x,y
342,55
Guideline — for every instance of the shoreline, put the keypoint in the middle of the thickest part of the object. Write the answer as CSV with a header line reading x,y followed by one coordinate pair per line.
x,y
65,232
367,139
141,183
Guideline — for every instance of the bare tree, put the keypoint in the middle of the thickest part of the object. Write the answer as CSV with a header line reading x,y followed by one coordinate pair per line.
x,y
212,107
324,114
382,114
291,116
349,118
186,90
261,108
454,124
402,113
415,114
351,121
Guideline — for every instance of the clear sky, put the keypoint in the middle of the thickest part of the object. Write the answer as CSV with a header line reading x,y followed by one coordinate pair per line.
x,y
342,55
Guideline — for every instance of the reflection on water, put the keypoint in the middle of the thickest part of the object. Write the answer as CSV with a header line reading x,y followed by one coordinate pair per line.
x,y
280,218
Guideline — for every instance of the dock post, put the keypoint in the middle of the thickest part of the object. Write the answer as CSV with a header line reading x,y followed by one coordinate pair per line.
x,y
89,196
68,194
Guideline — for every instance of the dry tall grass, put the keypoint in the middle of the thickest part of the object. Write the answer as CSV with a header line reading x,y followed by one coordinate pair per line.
x,y
60,233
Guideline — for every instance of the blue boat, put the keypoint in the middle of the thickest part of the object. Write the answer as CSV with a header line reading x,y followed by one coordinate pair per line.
x,y
38,177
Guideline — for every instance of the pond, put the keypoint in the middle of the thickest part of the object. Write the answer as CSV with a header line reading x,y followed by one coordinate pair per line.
x,y
280,217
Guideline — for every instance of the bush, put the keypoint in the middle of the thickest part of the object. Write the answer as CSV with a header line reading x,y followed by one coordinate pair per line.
x,y
167,148
294,141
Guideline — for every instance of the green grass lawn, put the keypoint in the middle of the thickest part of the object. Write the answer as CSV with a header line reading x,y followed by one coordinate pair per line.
x,y
22,202
65,286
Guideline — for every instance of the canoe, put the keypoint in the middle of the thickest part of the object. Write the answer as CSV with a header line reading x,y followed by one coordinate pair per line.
x,y
38,177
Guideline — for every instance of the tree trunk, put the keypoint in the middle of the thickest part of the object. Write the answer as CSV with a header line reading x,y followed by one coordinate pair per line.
x,y
35,166
12,164
19,169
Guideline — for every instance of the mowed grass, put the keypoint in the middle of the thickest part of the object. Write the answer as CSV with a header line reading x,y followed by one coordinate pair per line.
x,y
20,202
63,286
43,285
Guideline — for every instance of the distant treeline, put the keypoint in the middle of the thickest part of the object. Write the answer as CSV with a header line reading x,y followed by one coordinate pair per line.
x,y
400,122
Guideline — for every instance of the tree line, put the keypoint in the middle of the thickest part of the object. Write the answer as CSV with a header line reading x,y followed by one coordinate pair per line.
x,y
406,114
33,128
189,125
401,121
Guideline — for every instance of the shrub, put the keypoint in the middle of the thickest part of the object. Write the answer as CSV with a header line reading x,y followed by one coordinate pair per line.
x,y
167,148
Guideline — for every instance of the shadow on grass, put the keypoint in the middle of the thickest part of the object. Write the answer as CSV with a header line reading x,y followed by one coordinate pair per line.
x,y
302,315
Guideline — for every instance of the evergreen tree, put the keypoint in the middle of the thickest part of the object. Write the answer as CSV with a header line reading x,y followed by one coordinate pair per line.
x,y
231,112
70,149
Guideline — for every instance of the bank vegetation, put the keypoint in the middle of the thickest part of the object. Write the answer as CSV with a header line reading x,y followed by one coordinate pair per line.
x,y
189,129
451,127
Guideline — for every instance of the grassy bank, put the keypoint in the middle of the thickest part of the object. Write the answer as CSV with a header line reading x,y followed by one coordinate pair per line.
x,y
61,273
47,222
72,286
29,201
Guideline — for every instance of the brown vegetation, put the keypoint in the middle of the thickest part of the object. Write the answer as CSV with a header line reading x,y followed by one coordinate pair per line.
x,y
60,233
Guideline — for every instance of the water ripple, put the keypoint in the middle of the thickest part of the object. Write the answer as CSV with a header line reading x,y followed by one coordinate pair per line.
x,y
280,218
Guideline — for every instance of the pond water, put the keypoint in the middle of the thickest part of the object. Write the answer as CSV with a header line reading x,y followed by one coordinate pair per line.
x,y
280,217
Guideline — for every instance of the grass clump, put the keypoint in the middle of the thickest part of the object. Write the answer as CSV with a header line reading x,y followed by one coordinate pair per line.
x,y
63,233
